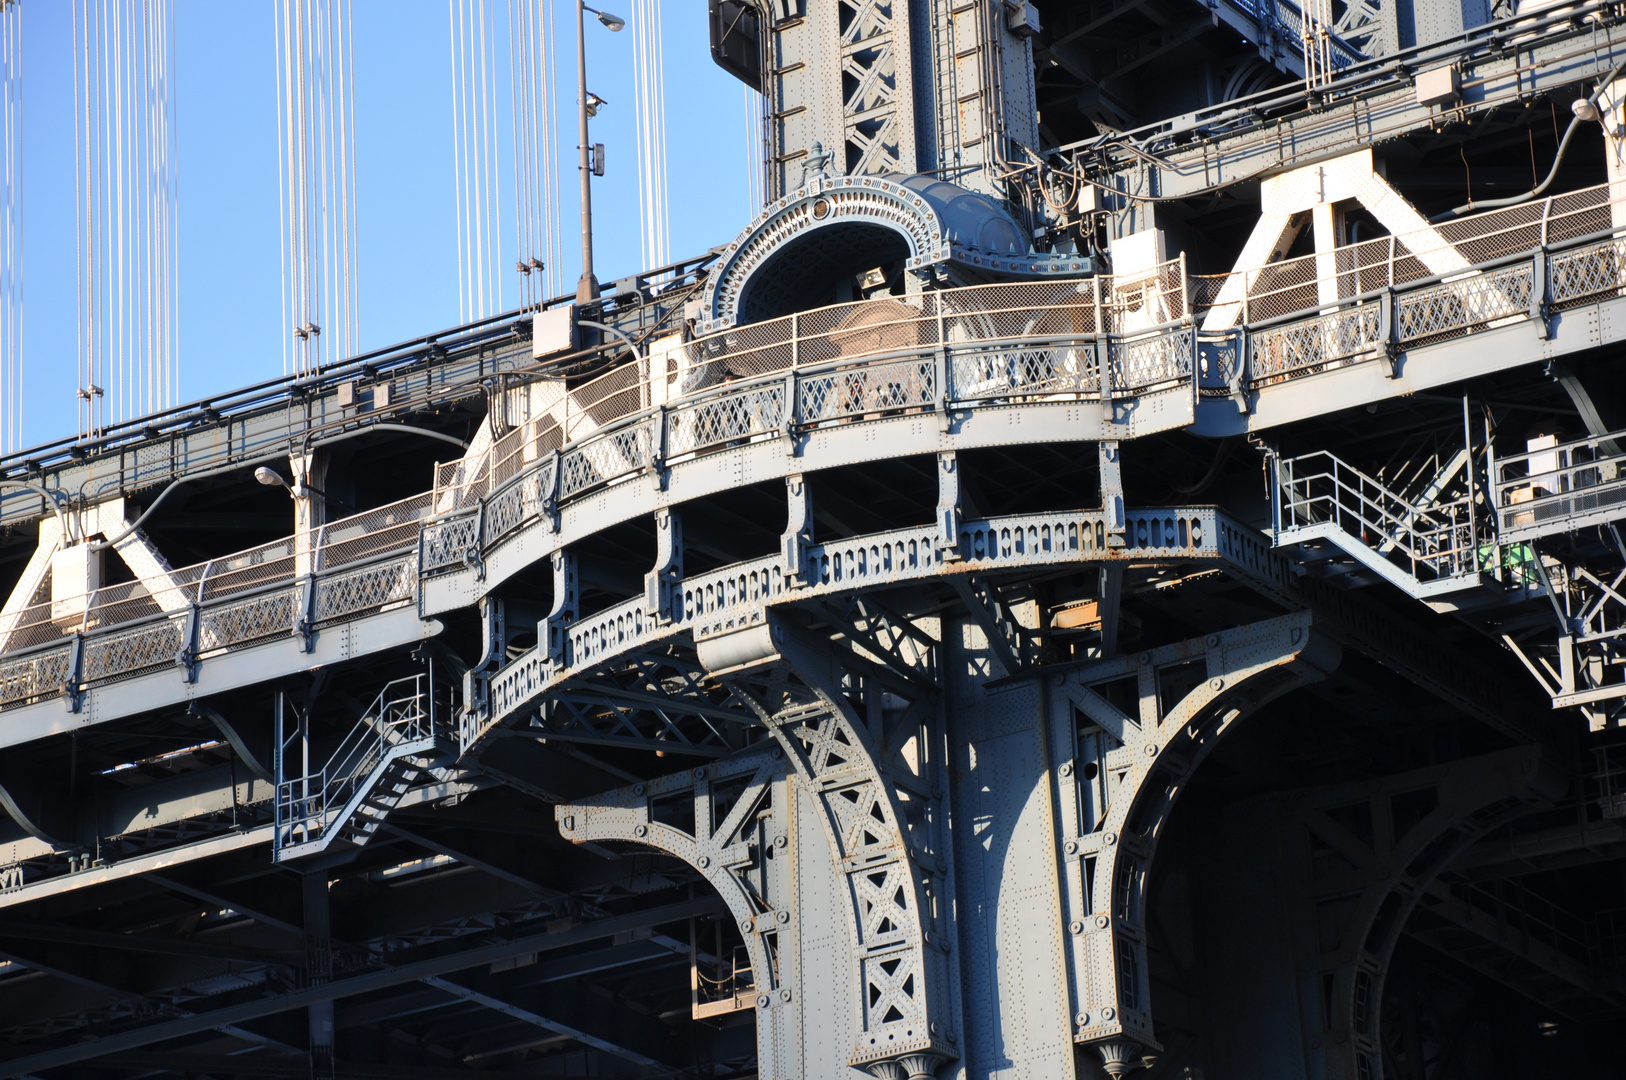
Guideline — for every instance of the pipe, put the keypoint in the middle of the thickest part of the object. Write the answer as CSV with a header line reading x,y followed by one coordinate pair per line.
x,y
633,345
1558,159
55,506
101,545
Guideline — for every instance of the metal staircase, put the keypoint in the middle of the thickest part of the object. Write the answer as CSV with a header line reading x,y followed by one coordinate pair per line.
x,y
1427,545
335,810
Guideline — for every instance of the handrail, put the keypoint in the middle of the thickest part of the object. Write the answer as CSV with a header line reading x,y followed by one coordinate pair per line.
x,y
1439,538
306,806
1561,487
973,345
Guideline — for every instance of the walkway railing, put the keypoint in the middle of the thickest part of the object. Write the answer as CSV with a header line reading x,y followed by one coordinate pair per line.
x,y
346,569
993,345
1561,488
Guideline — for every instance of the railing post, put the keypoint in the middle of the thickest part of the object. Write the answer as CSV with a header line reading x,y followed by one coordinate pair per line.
x,y
940,389
1540,291
795,340
549,499
1274,464
1468,466
187,658
76,668
790,413
305,612
1388,329
657,449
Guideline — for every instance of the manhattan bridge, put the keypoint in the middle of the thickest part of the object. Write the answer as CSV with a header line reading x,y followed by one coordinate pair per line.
x,y
1117,570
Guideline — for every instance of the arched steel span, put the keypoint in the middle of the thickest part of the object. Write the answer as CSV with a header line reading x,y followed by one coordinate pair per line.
x,y
788,256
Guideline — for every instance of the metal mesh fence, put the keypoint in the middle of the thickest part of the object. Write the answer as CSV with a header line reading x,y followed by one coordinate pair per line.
x,y
1310,281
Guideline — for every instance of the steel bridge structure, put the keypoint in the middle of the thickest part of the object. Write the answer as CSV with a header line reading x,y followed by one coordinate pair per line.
x,y
1108,573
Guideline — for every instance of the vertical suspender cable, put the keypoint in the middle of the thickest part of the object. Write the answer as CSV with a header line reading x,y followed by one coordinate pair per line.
x,y
125,219
11,236
474,119
316,174
536,160
650,109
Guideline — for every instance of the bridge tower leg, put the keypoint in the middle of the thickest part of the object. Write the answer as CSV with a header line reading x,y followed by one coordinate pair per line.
x,y
881,939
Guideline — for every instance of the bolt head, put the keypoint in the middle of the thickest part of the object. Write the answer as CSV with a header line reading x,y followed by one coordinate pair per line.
x,y
1213,640
1067,768
703,862
784,993
745,926
637,789
700,773
763,1001
1101,922
1072,847
641,831
1076,926
1216,684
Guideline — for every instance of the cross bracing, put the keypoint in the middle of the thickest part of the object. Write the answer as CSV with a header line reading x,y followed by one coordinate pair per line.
x,y
1184,628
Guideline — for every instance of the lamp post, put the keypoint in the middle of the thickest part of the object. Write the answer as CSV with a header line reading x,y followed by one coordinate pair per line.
x,y
587,287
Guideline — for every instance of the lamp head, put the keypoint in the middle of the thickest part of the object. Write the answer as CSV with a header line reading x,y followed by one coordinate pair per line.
x,y
613,22
593,103
269,477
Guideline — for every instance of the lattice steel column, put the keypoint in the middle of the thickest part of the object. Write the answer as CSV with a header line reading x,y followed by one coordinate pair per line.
x,y
830,862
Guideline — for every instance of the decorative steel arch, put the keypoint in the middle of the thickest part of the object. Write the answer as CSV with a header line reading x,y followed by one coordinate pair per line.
x,y
968,234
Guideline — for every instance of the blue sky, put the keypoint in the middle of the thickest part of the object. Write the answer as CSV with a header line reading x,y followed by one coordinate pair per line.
x,y
226,161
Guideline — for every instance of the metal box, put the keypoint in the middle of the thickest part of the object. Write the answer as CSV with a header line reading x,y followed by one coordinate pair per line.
x,y
1023,19
1439,86
553,331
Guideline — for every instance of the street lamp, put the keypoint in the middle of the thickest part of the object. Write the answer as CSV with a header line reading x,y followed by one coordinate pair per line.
x,y
300,490
587,287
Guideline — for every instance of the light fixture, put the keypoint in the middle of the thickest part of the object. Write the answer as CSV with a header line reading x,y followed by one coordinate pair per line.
x,y
593,102
271,478
614,22
1584,109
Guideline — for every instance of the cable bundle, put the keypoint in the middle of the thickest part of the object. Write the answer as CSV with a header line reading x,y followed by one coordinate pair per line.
x,y
649,107
474,120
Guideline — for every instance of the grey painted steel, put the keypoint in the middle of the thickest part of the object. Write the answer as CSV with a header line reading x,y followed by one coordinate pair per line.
x,y
431,967
832,860
738,597
953,382
1313,953
1111,816
589,496
1502,63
